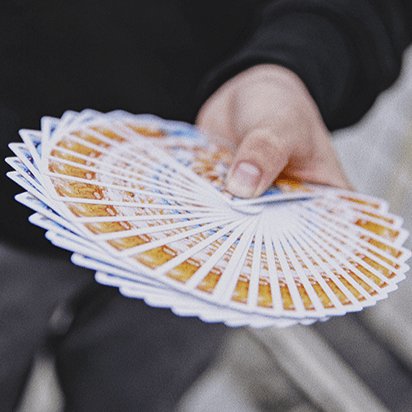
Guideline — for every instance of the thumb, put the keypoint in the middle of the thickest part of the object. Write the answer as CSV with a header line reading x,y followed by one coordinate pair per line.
x,y
260,158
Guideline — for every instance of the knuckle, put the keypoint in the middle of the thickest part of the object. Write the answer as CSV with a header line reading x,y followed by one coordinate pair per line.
x,y
267,143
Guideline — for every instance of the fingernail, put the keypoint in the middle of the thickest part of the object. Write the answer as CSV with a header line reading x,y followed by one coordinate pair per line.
x,y
243,180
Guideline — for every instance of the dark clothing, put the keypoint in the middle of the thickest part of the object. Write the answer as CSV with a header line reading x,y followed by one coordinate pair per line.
x,y
163,57
111,353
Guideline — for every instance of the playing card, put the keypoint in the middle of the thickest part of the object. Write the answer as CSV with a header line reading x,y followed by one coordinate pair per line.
x,y
211,164
142,201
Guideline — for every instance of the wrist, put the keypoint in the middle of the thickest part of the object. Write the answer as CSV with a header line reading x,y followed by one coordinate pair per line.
x,y
271,74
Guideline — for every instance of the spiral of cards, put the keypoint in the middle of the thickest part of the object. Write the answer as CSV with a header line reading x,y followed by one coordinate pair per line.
x,y
142,202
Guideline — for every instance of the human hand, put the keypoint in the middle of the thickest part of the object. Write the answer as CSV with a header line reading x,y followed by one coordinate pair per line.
x,y
269,118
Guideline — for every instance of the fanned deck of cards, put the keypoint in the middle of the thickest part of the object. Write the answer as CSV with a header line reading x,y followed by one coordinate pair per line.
x,y
142,202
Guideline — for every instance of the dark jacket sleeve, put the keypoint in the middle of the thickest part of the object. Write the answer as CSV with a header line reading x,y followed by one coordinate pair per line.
x,y
346,51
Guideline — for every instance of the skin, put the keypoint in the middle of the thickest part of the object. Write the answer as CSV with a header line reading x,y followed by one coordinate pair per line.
x,y
268,117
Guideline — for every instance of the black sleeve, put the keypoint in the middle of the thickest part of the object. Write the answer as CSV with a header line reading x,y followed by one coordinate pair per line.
x,y
346,51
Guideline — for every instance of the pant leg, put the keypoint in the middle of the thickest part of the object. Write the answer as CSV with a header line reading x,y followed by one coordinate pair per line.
x,y
122,355
31,286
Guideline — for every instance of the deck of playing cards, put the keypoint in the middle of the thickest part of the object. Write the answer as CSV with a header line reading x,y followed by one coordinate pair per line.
x,y
142,202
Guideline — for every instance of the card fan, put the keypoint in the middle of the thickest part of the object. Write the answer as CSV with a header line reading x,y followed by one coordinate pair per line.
x,y
142,202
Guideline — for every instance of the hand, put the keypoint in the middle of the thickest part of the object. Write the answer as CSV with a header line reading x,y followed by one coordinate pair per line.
x,y
267,115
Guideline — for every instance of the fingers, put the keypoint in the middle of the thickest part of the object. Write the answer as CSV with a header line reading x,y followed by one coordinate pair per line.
x,y
267,113
322,166
259,160
328,172
264,153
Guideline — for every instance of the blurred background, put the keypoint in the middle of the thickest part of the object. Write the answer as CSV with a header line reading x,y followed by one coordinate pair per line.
x,y
360,362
